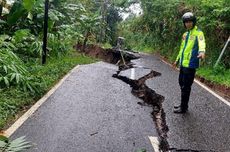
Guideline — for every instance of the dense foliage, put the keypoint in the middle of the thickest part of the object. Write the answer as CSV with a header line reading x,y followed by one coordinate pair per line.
x,y
69,22
160,26
22,77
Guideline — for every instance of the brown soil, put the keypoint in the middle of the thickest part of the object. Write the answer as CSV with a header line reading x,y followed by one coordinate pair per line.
x,y
108,55
223,90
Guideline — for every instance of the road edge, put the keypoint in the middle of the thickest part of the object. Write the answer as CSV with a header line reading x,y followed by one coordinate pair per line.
x,y
8,132
203,86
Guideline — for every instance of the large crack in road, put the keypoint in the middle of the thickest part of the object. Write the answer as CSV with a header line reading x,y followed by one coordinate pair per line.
x,y
140,90
150,97
188,150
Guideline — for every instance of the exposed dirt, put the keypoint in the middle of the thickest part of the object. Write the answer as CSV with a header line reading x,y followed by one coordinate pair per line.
x,y
107,55
139,88
223,90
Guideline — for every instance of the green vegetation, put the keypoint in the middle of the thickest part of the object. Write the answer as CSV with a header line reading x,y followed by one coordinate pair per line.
x,y
14,99
17,145
219,74
23,79
159,29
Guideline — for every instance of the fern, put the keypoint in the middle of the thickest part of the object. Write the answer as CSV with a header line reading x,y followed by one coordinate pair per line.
x,y
17,145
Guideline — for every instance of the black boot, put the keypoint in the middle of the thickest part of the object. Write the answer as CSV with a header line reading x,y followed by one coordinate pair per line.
x,y
183,107
177,106
185,99
179,110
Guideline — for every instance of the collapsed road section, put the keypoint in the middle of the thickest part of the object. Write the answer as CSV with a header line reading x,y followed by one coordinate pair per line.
x,y
108,55
139,89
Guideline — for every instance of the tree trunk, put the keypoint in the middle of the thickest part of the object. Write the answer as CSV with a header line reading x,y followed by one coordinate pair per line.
x,y
85,40
1,8
104,5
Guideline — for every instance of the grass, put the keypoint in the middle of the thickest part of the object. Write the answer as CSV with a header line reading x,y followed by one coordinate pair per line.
x,y
13,100
144,49
58,67
218,75
105,45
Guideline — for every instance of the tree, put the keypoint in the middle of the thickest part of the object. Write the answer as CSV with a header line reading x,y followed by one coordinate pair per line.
x,y
112,20
160,26
89,22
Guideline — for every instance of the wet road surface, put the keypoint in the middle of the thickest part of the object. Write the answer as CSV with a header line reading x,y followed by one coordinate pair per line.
x,y
90,112
94,112
206,126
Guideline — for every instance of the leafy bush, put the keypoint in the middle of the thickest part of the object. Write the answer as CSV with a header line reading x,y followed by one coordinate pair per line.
x,y
27,45
161,26
17,145
13,71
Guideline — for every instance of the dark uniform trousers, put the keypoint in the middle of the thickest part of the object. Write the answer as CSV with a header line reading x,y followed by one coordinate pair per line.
x,y
186,78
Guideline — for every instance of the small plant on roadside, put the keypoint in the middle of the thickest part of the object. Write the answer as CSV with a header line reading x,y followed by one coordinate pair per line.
x,y
141,150
17,145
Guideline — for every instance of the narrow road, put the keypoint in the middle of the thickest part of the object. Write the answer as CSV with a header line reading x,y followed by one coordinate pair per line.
x,y
94,112
90,112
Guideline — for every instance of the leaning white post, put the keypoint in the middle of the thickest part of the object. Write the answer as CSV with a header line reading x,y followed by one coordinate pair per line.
x,y
120,42
222,52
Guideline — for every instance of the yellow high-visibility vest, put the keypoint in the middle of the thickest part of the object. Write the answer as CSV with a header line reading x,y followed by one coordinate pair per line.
x,y
193,42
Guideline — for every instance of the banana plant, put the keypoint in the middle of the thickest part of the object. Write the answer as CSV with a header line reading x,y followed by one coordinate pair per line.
x,y
89,22
17,145
20,8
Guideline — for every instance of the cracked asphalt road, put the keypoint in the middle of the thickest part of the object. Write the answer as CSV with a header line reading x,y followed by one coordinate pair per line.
x,y
206,126
93,112
90,112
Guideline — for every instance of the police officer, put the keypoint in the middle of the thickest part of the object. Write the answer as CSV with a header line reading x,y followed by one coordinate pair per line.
x,y
191,50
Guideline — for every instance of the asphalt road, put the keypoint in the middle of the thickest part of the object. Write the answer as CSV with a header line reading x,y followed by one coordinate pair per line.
x,y
206,126
94,112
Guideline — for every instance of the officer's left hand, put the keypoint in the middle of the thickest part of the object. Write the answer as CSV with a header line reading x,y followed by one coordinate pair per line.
x,y
201,55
